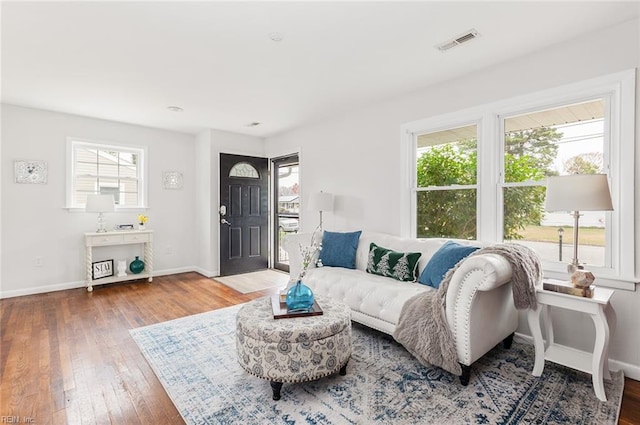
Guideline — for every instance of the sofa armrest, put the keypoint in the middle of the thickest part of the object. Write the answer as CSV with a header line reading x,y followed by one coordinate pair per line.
x,y
495,269
479,305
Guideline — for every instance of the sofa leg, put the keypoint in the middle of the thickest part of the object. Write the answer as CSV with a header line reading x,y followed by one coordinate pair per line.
x,y
466,374
506,343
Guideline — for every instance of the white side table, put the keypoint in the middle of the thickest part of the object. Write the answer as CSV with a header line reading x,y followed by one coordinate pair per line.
x,y
604,319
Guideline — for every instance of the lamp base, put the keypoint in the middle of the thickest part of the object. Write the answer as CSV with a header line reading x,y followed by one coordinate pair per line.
x,y
102,225
573,267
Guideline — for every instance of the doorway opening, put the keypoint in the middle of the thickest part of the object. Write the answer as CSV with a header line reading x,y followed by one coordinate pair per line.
x,y
286,208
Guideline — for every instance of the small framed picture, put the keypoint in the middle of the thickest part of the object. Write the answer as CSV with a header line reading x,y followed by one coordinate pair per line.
x,y
172,180
124,227
34,172
101,269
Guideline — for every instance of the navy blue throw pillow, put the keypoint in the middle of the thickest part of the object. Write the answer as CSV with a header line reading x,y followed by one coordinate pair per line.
x,y
443,259
339,249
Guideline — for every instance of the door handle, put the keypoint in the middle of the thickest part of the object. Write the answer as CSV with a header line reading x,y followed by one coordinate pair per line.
x,y
224,221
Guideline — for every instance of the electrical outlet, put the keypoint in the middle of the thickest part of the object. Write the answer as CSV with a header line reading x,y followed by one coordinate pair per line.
x,y
37,261
169,250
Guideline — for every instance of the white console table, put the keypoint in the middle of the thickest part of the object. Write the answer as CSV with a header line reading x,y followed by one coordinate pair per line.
x,y
119,238
604,319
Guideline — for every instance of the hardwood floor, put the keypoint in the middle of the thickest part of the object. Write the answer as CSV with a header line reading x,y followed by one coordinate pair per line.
x,y
67,357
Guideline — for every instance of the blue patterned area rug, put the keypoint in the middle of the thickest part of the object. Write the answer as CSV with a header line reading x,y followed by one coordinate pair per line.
x,y
195,359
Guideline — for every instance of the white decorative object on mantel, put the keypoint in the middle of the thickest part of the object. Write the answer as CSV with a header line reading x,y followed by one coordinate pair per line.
x,y
172,179
34,172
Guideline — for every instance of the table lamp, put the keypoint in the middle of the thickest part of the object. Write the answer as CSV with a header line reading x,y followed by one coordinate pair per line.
x,y
321,201
578,192
100,204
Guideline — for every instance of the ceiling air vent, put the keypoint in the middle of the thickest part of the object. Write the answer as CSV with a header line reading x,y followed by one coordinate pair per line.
x,y
469,35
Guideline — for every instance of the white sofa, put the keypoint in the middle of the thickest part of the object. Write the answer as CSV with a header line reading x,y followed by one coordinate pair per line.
x,y
479,302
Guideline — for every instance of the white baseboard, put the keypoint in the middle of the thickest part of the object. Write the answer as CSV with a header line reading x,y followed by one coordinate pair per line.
x,y
206,273
176,270
43,289
81,283
630,370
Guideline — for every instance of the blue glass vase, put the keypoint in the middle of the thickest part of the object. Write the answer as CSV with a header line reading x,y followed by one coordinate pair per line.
x,y
299,297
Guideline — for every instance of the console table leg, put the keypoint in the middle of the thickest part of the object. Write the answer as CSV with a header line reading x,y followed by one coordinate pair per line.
x,y
548,326
533,317
610,315
599,350
88,259
148,259
276,387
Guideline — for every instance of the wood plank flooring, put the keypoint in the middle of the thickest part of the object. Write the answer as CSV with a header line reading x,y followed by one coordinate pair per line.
x,y
67,358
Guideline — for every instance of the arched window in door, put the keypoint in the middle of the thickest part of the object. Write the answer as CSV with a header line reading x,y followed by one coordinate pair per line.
x,y
244,170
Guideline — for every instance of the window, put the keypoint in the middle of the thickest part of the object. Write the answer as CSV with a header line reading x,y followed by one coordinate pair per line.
x,y
105,169
244,169
446,177
559,141
585,127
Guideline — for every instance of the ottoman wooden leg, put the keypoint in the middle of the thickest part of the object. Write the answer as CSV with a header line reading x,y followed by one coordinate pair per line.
x,y
276,387
343,369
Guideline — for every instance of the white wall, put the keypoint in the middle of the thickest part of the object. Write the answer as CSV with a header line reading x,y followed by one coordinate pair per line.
x,y
204,205
35,222
209,145
357,155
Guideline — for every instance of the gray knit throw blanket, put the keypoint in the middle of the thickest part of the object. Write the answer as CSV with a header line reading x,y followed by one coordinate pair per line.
x,y
423,329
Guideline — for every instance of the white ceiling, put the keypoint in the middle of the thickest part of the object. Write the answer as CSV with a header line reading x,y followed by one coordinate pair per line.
x,y
128,61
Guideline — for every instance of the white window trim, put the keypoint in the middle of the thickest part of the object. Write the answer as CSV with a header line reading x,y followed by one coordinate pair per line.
x,y
621,87
142,173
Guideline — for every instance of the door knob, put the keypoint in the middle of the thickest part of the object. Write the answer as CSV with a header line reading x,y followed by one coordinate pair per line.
x,y
224,221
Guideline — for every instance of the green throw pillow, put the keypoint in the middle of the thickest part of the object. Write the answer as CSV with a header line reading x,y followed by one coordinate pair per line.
x,y
401,266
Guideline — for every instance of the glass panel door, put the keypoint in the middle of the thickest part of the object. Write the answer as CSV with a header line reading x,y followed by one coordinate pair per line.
x,y
287,205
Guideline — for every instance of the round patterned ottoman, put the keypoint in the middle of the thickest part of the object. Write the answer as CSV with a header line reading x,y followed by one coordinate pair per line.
x,y
298,349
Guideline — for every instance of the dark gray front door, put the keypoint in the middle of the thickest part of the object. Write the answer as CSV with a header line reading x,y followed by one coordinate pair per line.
x,y
244,219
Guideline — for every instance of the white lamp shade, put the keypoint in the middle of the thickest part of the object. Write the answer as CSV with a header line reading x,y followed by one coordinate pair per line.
x,y
100,203
321,201
578,192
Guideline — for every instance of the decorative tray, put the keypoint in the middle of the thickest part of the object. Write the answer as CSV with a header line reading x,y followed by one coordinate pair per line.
x,y
280,309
